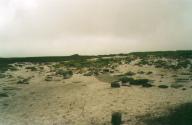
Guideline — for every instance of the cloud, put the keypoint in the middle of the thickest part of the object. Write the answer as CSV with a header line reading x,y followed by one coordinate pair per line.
x,y
62,27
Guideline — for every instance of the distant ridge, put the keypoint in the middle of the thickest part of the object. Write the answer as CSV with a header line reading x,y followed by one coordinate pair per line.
x,y
170,54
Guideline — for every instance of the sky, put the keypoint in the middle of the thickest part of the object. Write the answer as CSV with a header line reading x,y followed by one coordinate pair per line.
x,y
91,27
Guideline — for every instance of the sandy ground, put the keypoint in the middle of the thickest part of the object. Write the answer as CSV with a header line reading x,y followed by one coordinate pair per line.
x,y
84,100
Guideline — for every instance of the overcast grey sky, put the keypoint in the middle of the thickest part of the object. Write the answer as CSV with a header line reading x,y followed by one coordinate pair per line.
x,y
64,27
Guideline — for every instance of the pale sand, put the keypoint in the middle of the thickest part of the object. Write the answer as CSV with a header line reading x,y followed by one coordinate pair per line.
x,y
84,100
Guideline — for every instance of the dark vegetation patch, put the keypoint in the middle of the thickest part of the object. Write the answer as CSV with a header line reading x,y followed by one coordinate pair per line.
x,y
126,79
32,68
167,54
3,94
176,85
141,72
93,67
177,80
167,64
181,115
84,61
183,63
184,89
185,73
4,66
12,68
65,73
24,81
149,73
2,75
134,81
48,78
43,59
174,76
5,62
147,85
163,86
182,58
130,73
98,63
10,88
77,63
137,82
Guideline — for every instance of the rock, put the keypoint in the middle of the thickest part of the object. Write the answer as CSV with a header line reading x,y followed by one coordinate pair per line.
x,y
23,81
116,84
106,70
67,76
126,84
48,78
116,118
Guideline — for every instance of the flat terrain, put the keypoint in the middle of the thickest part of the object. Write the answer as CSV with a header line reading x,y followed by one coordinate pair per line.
x,y
48,94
